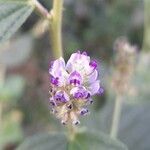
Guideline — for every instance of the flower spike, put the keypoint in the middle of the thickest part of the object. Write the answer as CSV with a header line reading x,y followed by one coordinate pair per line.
x,y
72,86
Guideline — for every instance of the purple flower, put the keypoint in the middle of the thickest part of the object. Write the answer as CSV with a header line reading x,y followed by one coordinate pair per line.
x,y
75,78
94,87
72,85
54,80
93,64
52,102
80,93
61,96
101,91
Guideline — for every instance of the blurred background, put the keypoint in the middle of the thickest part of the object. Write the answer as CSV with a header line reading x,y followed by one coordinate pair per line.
x,y
90,25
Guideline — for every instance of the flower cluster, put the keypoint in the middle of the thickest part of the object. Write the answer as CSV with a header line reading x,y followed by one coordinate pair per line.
x,y
72,86
124,65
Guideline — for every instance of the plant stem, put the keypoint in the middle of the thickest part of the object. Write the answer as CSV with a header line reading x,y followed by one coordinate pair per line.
x,y
71,132
146,43
55,21
116,116
55,28
40,8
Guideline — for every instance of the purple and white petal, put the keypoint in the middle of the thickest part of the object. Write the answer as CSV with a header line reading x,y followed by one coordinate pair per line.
x,y
78,62
84,53
101,91
80,93
94,87
61,96
52,102
58,72
93,64
75,78
92,77
57,66
54,80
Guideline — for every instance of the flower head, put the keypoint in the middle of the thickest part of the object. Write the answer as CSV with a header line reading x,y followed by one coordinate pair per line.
x,y
72,86
124,65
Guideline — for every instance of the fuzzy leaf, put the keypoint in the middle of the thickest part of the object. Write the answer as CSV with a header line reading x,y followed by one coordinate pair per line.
x,y
134,127
12,15
83,141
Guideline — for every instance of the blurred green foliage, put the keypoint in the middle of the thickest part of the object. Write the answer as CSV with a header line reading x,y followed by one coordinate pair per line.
x,y
12,89
96,25
11,131
10,124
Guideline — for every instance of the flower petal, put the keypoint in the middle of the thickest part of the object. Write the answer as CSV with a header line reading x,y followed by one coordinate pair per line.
x,y
79,62
94,87
54,80
92,77
93,64
80,92
61,96
75,78
52,102
57,71
101,91
57,66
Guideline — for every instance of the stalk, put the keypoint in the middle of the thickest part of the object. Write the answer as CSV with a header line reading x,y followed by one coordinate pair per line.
x,y
55,28
116,117
39,8
71,132
54,18
146,43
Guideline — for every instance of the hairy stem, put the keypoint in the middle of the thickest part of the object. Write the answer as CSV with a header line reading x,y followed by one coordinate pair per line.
x,y
146,43
55,28
40,8
71,132
55,20
116,116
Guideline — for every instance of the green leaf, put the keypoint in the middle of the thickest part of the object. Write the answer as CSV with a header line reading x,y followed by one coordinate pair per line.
x,y
54,141
82,141
12,15
134,126
95,141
